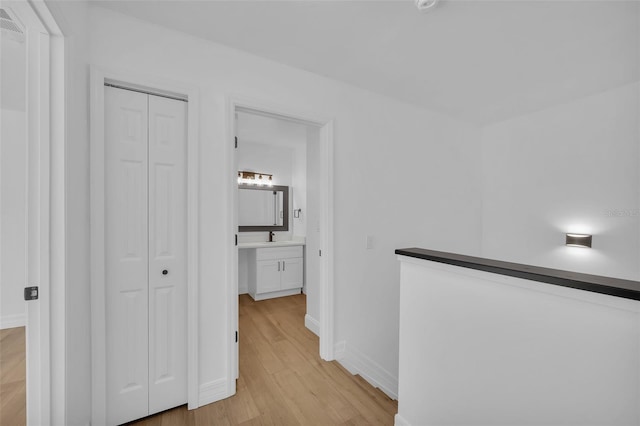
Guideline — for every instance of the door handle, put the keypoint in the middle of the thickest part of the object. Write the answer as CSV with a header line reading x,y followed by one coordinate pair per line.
x,y
278,266
283,263
165,272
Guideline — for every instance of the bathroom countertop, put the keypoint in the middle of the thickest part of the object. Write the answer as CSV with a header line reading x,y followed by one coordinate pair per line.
x,y
267,244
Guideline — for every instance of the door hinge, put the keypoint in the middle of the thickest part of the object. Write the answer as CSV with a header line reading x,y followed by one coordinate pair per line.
x,y
236,141
236,337
320,253
31,293
236,239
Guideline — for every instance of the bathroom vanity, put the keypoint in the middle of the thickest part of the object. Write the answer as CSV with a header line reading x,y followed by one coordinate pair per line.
x,y
268,269
275,269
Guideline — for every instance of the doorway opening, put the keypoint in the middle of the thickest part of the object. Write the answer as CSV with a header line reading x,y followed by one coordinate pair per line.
x,y
32,229
13,224
279,229
292,151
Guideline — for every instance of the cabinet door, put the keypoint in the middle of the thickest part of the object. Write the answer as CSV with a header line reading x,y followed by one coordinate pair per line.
x,y
267,276
291,273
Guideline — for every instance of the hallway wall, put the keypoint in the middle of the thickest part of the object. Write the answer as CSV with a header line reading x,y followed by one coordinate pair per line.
x,y
574,167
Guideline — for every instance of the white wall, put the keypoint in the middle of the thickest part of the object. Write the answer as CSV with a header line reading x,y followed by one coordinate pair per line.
x,y
392,160
405,176
13,157
570,168
498,350
72,17
299,183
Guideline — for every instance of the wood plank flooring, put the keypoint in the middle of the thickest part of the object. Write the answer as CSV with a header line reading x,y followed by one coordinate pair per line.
x,y
13,403
283,381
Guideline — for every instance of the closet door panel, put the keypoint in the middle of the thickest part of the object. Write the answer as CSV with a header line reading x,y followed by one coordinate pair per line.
x,y
126,252
167,254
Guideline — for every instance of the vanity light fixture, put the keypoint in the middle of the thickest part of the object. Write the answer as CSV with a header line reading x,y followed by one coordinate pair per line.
x,y
579,240
255,178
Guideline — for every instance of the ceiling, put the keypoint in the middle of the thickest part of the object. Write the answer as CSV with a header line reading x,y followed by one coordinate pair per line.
x,y
480,61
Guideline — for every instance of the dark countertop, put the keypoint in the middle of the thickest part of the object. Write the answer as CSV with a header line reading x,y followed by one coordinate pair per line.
x,y
612,286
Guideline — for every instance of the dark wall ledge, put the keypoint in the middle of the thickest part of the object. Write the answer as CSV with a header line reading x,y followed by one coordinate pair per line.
x,y
595,283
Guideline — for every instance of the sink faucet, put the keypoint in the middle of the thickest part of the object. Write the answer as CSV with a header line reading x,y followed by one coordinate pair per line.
x,y
271,236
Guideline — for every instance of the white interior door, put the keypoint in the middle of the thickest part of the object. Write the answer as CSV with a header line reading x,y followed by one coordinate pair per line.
x,y
167,254
145,138
126,253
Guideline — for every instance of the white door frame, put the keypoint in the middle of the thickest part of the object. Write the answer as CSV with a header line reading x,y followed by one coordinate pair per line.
x,y
45,112
325,125
98,77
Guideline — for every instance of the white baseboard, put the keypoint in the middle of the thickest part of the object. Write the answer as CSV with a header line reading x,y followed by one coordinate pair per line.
x,y
12,321
401,421
212,392
358,363
312,324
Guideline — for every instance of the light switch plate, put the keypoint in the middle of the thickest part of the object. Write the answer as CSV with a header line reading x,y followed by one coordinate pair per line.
x,y
369,242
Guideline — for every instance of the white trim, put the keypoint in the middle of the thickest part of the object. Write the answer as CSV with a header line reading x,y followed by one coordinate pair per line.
x,y
58,215
357,362
97,189
193,248
312,324
400,421
326,237
231,233
12,321
97,238
213,391
326,126
45,318
274,294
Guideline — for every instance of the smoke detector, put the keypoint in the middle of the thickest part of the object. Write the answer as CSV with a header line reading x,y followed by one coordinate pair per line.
x,y
10,27
424,5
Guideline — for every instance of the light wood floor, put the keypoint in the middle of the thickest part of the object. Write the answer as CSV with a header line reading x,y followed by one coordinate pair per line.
x,y
283,381
13,404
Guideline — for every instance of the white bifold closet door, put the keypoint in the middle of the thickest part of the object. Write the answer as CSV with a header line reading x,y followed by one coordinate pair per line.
x,y
146,280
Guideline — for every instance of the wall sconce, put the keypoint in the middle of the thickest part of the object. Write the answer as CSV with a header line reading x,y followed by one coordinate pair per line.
x,y
254,178
579,240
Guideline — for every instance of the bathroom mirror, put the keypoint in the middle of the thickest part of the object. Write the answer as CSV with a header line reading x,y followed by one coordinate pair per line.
x,y
263,208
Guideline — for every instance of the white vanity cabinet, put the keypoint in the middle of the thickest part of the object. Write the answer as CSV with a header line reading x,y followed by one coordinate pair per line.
x,y
275,272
